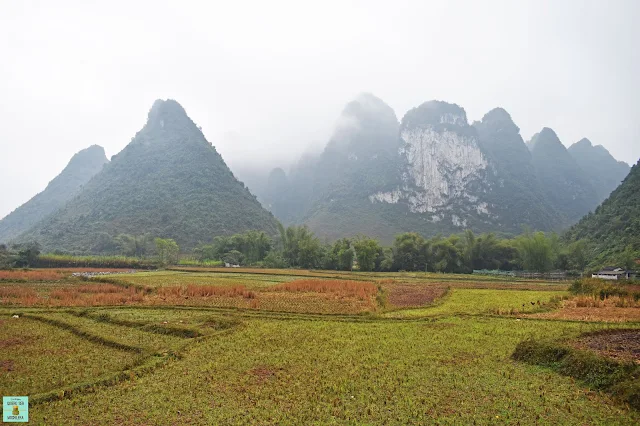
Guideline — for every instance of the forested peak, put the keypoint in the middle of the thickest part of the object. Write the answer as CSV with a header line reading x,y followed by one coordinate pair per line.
x,y
367,107
584,147
168,182
435,113
166,115
545,140
94,155
168,107
277,174
499,120
365,123
582,143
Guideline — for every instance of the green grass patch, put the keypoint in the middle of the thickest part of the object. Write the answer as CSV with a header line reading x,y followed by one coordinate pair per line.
x,y
445,371
70,261
36,357
485,301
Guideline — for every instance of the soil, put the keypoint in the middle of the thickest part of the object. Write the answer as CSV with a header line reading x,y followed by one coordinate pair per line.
x,y
621,345
411,295
263,374
607,314
6,365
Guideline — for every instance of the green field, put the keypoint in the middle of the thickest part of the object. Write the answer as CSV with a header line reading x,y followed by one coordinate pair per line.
x,y
206,362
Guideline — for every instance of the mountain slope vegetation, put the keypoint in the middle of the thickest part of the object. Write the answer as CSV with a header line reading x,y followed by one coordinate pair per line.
x,y
612,232
168,182
80,169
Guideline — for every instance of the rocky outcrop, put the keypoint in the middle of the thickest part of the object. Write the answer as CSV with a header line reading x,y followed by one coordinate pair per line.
x,y
443,163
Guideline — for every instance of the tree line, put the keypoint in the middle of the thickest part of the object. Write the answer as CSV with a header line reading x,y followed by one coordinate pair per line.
x,y
298,247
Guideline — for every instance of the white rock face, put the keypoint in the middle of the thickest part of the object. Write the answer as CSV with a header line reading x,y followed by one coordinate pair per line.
x,y
482,208
441,164
449,118
386,197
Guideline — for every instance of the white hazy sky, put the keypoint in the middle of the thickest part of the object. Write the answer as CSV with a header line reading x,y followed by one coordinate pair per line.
x,y
266,80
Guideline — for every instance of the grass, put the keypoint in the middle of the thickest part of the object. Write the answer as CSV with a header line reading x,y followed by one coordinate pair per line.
x,y
174,278
449,371
485,301
70,261
36,357
323,348
619,378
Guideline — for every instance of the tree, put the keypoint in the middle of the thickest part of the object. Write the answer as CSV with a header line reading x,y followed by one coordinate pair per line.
x,y
628,258
385,260
167,250
274,259
27,254
234,257
535,251
339,256
410,252
446,256
367,252
7,258
205,252
301,247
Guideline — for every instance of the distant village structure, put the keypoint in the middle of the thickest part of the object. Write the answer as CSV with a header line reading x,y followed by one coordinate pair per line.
x,y
612,273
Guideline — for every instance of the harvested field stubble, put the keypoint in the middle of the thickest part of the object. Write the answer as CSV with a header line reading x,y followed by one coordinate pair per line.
x,y
593,308
206,291
37,275
73,295
359,289
413,295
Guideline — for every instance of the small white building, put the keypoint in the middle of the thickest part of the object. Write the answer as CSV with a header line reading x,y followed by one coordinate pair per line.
x,y
614,274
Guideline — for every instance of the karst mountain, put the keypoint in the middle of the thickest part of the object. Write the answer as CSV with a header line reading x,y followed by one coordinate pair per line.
x,y
82,167
168,182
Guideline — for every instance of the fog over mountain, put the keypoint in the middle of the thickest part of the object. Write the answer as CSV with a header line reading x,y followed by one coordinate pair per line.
x,y
266,80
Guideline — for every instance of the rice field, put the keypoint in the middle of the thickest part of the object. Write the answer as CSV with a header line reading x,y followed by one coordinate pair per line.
x,y
292,347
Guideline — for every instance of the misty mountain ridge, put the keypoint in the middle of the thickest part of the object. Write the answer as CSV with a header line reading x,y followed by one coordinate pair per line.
x,y
169,182
80,169
433,173
565,183
603,171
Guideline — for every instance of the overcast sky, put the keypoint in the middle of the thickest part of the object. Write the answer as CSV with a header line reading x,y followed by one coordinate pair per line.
x,y
266,80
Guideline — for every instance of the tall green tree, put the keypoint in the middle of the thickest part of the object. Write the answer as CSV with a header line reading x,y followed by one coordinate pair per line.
x,y
167,250
27,254
410,252
367,252
301,247
535,251
446,255
339,256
